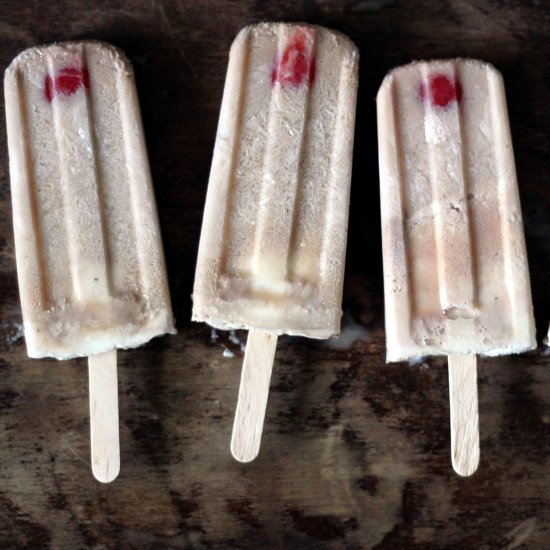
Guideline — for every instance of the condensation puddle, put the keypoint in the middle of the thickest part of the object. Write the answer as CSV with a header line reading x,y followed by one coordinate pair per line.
x,y
13,331
227,352
419,361
350,333
232,337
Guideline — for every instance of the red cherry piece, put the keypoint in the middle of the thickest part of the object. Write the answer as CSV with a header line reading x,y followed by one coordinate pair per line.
x,y
440,90
67,82
296,66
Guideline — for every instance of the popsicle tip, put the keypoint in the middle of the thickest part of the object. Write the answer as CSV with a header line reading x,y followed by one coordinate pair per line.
x,y
465,466
38,53
273,26
105,472
458,61
243,454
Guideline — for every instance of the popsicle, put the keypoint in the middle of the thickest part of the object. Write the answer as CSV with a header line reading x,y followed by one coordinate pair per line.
x,y
455,266
88,248
272,249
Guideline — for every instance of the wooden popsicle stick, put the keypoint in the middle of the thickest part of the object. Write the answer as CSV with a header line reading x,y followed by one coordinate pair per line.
x,y
104,439
464,413
253,393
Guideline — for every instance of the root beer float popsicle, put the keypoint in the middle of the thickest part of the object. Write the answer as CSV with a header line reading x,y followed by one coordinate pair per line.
x,y
89,255
455,266
272,250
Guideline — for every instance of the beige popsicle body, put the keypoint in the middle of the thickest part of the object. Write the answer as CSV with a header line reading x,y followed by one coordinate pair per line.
x,y
455,266
90,262
272,248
